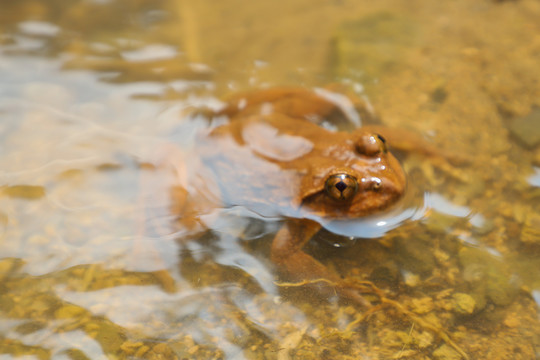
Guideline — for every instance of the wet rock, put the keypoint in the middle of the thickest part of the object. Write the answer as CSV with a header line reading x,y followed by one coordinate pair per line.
x,y
161,351
4,220
27,192
131,347
527,129
478,294
69,311
387,274
424,339
536,158
439,95
463,304
445,352
6,302
487,277
8,266
530,233
511,321
500,290
31,327
423,305
415,255
440,223
482,226
108,335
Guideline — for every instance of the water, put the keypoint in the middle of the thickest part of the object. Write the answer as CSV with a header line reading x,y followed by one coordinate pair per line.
x,y
92,100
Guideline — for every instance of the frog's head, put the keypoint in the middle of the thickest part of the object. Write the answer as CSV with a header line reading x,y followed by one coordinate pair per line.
x,y
361,179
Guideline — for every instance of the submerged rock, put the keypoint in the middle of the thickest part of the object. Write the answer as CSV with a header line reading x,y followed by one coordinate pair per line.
x,y
415,254
27,192
487,277
446,352
527,129
464,304
530,233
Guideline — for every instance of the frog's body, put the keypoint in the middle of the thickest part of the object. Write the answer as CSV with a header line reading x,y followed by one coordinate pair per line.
x,y
272,158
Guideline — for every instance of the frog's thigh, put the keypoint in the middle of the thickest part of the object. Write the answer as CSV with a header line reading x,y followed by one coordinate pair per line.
x,y
288,255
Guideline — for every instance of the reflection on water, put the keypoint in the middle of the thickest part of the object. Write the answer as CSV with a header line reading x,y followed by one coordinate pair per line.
x,y
92,108
534,179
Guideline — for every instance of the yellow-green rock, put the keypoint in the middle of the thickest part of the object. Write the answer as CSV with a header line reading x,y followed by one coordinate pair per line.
x,y
464,304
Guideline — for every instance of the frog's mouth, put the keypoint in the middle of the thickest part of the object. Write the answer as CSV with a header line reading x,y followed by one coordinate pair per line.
x,y
370,199
410,206
369,196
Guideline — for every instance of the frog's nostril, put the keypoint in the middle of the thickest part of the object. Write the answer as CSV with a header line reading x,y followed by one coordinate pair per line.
x,y
371,183
376,183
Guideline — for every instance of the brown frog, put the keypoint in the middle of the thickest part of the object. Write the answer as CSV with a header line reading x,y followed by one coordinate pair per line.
x,y
270,155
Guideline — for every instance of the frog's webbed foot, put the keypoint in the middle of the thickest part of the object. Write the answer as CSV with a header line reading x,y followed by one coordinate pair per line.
x,y
349,289
288,255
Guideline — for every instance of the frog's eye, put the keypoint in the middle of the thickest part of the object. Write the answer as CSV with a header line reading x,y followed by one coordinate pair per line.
x,y
341,186
371,145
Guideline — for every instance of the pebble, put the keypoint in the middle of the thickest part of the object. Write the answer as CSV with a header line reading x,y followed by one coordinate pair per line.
x,y
464,304
530,233
527,129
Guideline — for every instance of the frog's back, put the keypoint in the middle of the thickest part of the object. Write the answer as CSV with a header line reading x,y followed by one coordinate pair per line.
x,y
273,158
322,106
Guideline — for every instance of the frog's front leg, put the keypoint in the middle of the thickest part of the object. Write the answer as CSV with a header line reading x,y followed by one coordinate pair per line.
x,y
288,254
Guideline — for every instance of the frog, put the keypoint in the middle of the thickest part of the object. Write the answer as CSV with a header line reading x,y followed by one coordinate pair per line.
x,y
271,151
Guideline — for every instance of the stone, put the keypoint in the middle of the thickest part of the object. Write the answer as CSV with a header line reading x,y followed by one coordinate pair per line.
x,y
527,129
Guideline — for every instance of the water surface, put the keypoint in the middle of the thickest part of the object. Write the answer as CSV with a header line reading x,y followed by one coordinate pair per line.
x,y
92,97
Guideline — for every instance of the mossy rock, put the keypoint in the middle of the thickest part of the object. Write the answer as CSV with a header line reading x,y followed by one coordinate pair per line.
x,y
487,274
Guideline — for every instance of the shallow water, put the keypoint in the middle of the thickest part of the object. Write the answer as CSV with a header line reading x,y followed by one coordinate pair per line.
x,y
92,99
